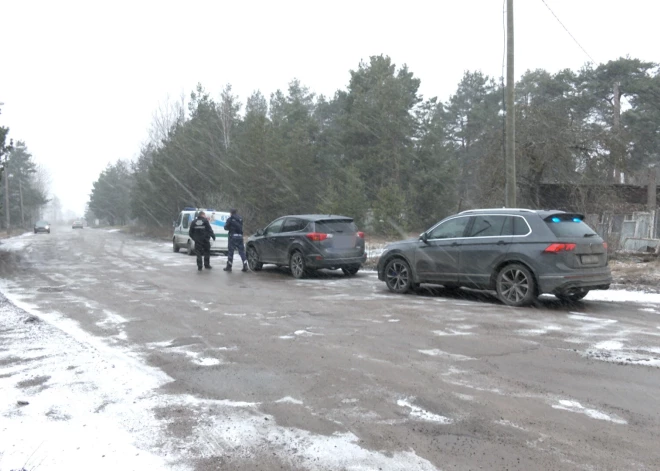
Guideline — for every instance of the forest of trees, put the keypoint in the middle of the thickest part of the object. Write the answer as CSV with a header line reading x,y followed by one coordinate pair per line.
x,y
382,153
28,184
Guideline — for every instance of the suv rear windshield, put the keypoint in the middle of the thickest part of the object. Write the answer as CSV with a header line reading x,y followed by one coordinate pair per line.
x,y
345,226
569,225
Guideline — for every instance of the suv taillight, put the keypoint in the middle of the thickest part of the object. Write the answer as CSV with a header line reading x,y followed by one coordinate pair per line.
x,y
360,235
318,236
556,248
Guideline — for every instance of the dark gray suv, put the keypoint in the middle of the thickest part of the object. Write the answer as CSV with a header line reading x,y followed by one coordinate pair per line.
x,y
519,253
308,242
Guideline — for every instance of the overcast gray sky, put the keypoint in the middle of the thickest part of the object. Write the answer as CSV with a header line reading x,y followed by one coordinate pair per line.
x,y
81,79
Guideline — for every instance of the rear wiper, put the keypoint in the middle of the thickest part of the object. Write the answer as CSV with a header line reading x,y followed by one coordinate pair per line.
x,y
591,235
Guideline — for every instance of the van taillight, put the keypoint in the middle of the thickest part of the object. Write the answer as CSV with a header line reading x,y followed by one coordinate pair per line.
x,y
556,248
605,245
360,235
317,236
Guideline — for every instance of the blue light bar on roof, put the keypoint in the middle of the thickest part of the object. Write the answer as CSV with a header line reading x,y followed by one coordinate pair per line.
x,y
556,219
577,220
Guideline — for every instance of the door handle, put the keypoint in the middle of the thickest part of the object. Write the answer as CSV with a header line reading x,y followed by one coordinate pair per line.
x,y
454,244
501,242
292,238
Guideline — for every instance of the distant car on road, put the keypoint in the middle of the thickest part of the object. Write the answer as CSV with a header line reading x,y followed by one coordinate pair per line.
x,y
77,224
305,243
42,226
519,253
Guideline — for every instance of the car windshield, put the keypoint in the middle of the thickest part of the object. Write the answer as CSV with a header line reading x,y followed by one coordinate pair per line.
x,y
42,223
569,225
345,226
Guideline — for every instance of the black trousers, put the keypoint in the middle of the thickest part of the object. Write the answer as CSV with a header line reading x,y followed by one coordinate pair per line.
x,y
235,243
203,249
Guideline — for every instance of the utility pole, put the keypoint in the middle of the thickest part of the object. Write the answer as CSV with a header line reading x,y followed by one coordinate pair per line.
x,y
510,194
6,172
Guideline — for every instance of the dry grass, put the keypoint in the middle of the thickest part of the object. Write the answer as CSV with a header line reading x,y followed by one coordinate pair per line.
x,y
636,271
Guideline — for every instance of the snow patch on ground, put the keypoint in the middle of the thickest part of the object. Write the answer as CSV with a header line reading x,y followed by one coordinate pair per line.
x,y
419,413
508,423
18,243
451,332
289,400
439,353
574,406
623,296
305,333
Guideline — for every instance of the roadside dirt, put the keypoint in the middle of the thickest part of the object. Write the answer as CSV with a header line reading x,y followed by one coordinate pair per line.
x,y
636,271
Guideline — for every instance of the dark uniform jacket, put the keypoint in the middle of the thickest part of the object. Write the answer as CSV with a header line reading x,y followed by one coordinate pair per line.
x,y
234,225
200,229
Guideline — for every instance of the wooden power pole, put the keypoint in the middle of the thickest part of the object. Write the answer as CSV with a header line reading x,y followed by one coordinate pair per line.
x,y
510,196
6,175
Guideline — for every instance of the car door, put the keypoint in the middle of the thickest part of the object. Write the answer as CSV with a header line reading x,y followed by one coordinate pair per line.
x,y
266,246
437,256
290,232
177,229
185,227
488,240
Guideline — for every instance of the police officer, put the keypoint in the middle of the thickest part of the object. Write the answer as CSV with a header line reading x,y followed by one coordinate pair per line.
x,y
234,226
201,232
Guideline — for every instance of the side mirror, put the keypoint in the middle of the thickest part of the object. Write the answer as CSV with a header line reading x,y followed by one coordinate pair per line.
x,y
260,232
424,237
173,223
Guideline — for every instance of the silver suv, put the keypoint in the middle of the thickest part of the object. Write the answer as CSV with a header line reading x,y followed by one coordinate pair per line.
x,y
519,253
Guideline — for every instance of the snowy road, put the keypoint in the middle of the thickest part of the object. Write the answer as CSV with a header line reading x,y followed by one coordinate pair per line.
x,y
116,354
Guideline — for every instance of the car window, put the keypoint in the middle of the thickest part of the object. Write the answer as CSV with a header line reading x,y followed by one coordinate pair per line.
x,y
487,226
178,221
186,220
449,229
520,226
336,226
274,227
569,225
294,225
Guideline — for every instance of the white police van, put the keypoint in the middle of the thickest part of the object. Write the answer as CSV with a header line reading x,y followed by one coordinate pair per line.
x,y
181,239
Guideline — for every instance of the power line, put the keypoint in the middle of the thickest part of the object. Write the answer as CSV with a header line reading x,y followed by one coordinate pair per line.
x,y
569,33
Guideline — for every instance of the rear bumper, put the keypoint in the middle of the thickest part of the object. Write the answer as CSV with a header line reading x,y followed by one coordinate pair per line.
x,y
318,261
597,278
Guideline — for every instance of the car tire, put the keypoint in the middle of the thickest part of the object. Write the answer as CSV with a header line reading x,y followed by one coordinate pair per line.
x,y
190,248
515,285
49,231
175,247
35,231
297,265
398,276
352,270
572,296
253,259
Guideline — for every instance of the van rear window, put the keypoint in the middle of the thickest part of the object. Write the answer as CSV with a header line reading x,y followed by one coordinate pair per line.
x,y
569,225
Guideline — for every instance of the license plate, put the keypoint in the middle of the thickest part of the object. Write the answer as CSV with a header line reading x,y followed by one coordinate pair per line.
x,y
590,259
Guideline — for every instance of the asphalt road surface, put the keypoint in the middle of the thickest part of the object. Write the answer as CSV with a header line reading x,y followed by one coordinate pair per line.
x,y
247,371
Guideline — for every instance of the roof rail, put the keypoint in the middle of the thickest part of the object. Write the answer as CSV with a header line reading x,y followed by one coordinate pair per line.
x,y
496,209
